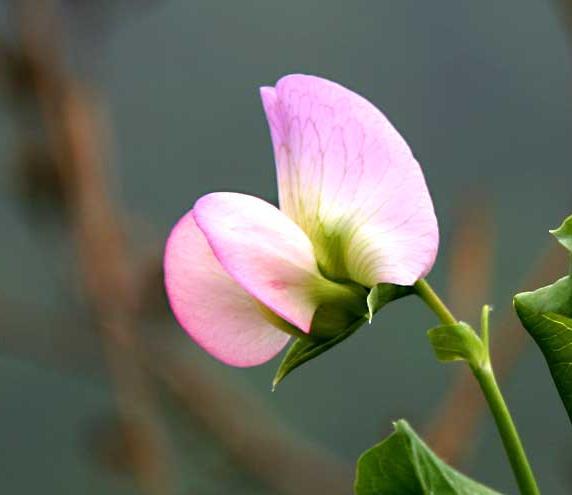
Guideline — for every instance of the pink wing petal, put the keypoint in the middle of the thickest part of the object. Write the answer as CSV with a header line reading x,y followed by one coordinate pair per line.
x,y
265,252
216,312
343,170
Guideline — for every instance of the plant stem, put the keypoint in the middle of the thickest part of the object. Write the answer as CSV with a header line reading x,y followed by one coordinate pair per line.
x,y
485,376
426,292
507,430
485,328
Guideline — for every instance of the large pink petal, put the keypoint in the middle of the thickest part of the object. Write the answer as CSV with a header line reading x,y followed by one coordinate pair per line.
x,y
266,253
216,312
348,178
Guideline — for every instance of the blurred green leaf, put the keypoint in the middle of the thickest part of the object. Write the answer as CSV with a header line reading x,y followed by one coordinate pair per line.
x,y
564,233
404,465
547,316
457,343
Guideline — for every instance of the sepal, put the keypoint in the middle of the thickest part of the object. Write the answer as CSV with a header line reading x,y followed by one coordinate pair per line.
x,y
317,342
303,350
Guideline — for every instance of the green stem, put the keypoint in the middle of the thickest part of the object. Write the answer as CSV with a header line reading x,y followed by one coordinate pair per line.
x,y
507,429
486,378
485,328
426,292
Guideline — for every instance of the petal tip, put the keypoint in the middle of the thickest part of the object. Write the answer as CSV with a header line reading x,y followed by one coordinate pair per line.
x,y
267,91
231,329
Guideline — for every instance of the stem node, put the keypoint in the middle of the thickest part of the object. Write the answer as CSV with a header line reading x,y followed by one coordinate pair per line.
x,y
485,376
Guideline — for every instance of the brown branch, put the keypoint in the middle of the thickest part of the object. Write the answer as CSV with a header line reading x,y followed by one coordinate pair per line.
x,y
471,256
257,441
564,8
74,134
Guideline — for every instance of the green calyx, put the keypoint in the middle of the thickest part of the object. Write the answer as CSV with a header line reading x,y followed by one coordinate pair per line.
x,y
329,323
339,305
341,300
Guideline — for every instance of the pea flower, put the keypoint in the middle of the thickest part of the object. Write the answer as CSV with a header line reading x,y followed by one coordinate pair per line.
x,y
242,276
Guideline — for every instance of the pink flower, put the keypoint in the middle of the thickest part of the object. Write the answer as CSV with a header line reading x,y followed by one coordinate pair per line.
x,y
242,275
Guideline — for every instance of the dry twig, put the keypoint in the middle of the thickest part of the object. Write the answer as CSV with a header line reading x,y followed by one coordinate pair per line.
x,y
74,133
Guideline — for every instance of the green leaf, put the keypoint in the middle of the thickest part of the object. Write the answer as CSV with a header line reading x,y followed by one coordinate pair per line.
x,y
457,343
403,465
564,233
303,350
547,316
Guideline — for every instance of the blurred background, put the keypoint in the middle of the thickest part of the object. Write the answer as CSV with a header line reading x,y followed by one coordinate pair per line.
x,y
116,115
